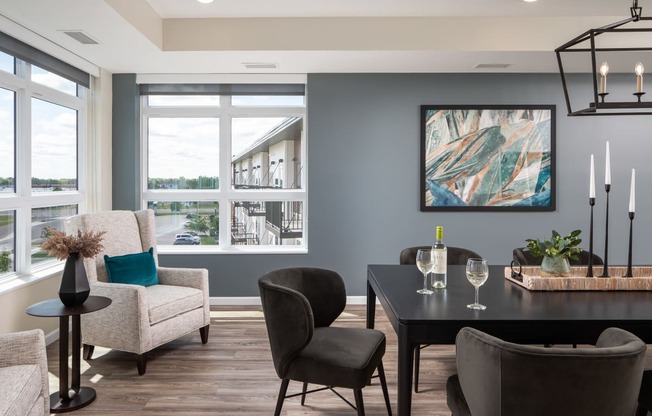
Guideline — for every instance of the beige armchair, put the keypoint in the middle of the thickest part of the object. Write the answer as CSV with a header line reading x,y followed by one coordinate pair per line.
x,y
140,318
24,385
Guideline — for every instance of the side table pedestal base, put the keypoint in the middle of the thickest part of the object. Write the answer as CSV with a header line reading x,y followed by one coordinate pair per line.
x,y
85,397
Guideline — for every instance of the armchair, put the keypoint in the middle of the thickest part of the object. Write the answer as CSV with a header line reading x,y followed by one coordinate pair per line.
x,y
140,318
24,386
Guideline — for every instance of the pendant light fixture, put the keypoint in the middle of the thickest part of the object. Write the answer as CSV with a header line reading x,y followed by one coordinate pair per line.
x,y
618,43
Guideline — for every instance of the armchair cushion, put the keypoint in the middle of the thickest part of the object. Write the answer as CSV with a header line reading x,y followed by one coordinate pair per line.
x,y
20,388
165,302
135,269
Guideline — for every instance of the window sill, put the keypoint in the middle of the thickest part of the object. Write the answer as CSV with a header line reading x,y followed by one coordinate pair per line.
x,y
193,250
21,281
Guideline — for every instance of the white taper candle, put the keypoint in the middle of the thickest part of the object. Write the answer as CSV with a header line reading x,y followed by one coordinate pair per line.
x,y
592,180
607,169
632,193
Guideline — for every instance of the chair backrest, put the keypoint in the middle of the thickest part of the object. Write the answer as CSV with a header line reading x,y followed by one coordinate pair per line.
x,y
127,232
527,259
454,255
500,378
295,301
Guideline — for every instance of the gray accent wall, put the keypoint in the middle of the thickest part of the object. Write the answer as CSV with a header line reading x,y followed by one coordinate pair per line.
x,y
363,176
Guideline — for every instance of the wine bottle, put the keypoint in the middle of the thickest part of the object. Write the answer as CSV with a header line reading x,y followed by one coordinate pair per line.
x,y
439,278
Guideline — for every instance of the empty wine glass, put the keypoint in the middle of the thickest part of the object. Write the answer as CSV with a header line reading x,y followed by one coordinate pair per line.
x,y
477,273
425,263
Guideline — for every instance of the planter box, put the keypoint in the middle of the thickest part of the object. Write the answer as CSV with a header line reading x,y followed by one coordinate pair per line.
x,y
532,279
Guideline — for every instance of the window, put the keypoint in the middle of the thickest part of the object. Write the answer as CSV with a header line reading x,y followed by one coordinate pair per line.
x,y
42,131
225,171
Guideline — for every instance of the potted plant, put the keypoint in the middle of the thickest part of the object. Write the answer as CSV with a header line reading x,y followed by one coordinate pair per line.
x,y
74,289
556,252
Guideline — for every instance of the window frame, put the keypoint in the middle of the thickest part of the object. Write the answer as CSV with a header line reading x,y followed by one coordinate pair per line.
x,y
226,194
23,200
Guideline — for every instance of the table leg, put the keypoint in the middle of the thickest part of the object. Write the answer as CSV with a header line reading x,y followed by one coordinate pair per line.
x,y
62,401
371,306
63,358
76,358
405,363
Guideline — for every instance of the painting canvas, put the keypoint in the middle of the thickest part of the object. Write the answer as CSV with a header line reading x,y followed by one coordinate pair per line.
x,y
487,158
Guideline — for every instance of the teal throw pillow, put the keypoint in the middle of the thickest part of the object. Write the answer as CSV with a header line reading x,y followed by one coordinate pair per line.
x,y
135,269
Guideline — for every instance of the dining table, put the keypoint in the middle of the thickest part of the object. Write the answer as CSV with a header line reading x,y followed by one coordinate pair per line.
x,y
513,313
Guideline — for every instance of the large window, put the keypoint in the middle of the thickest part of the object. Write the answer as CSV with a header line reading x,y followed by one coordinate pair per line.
x,y
42,135
225,171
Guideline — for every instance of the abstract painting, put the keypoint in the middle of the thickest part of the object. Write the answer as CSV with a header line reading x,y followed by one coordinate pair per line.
x,y
488,158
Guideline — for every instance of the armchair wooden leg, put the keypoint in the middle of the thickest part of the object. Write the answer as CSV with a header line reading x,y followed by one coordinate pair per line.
x,y
383,385
281,396
359,404
141,362
303,393
203,331
88,352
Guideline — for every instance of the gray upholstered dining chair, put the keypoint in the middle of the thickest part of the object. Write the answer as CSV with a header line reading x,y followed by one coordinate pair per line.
x,y
527,259
454,256
299,305
499,378
140,318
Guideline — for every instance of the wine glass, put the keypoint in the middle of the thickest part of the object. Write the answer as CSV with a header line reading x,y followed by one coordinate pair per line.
x,y
477,273
425,263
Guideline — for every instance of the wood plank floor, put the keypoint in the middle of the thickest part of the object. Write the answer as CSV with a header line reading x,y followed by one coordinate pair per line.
x,y
233,374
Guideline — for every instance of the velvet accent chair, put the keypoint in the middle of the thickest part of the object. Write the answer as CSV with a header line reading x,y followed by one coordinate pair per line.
x,y
499,378
455,256
527,259
24,385
140,318
299,305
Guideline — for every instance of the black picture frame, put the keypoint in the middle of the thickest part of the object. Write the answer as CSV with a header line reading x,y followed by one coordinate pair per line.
x,y
488,158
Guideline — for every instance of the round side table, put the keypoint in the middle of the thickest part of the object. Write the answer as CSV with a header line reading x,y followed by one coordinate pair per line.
x,y
71,397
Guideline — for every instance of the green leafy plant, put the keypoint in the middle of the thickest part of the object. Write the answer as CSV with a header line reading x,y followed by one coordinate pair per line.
x,y
557,246
5,261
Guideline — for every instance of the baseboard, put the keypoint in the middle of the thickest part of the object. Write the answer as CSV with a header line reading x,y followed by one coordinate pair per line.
x,y
255,301
52,336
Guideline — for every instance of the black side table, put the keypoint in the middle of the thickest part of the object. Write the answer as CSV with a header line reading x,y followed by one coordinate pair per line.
x,y
73,397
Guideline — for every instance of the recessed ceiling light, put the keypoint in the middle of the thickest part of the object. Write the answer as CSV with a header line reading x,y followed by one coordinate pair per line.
x,y
210,1
529,1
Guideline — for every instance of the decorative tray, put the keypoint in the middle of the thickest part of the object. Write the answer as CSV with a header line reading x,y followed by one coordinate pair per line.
x,y
532,279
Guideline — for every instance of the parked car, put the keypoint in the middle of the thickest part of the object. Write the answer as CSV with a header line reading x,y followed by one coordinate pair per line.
x,y
183,241
194,238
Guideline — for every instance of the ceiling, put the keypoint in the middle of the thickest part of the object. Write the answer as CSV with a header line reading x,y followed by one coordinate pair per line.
x,y
310,36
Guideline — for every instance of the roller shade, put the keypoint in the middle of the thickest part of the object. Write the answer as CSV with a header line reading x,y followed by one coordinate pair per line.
x,y
222,89
30,54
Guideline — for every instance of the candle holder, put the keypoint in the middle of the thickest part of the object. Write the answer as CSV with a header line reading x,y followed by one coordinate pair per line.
x,y
628,273
602,95
605,270
639,95
589,272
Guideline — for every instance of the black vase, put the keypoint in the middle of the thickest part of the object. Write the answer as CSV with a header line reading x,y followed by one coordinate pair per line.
x,y
74,289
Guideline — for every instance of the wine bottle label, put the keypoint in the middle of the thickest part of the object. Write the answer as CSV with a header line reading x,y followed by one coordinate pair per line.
x,y
440,262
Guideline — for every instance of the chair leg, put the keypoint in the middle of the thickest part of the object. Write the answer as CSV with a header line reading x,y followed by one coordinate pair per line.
x,y
303,393
383,385
88,352
141,363
641,411
417,360
203,331
281,396
359,404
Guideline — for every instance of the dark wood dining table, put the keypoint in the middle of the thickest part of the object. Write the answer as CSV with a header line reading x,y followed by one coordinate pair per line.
x,y
513,313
